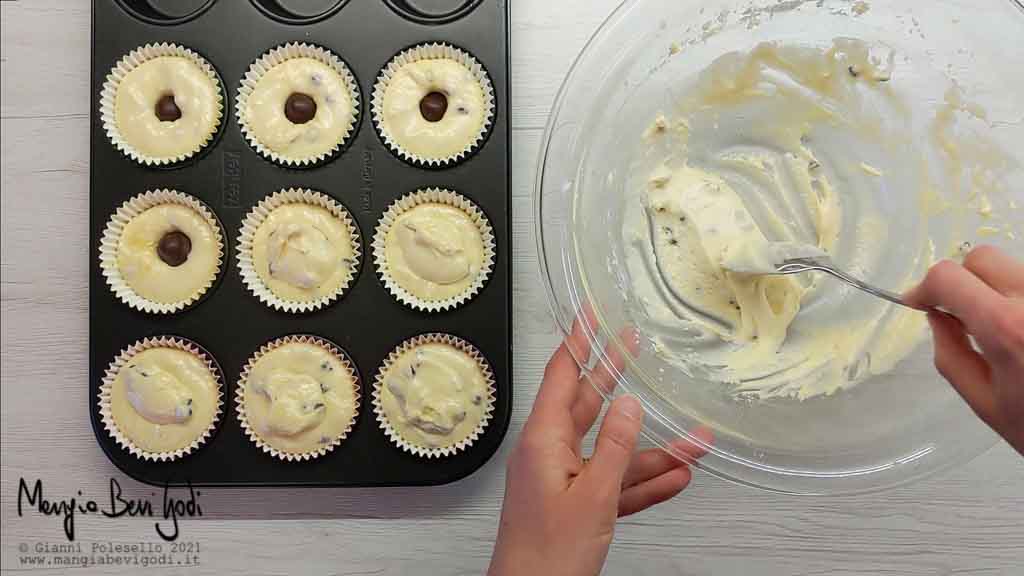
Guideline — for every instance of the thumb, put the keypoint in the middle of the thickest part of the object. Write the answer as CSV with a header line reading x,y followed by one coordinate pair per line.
x,y
615,443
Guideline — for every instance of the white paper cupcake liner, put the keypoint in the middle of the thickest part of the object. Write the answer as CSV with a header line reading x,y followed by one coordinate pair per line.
x,y
111,239
427,451
240,396
109,92
247,236
432,196
276,56
106,389
436,51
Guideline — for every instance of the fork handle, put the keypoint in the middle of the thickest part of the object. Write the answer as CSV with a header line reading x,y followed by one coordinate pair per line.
x,y
880,292
804,265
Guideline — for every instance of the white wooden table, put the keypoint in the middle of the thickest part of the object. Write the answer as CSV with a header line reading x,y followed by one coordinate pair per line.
x,y
969,520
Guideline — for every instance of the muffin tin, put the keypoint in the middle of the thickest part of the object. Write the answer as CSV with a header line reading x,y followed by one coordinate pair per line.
x,y
230,177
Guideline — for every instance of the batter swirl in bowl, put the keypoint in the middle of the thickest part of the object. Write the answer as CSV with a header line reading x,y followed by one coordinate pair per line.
x,y
797,144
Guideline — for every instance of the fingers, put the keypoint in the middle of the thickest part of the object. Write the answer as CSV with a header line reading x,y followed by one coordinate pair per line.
x,y
586,322
959,363
561,376
654,491
614,448
649,464
952,287
656,461
690,450
589,399
997,269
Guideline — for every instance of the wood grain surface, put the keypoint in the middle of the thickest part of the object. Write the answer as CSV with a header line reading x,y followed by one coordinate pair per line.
x,y
967,521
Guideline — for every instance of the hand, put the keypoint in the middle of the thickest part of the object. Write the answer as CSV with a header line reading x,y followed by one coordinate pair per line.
x,y
560,509
986,295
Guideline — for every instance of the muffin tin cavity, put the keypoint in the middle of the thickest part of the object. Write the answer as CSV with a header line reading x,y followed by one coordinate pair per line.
x,y
299,105
299,11
433,11
165,11
148,126
433,105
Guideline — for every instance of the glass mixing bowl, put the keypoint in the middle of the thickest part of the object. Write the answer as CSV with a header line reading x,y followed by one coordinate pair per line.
x,y
887,430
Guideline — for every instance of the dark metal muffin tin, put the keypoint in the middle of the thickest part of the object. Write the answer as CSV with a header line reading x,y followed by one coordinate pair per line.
x,y
367,322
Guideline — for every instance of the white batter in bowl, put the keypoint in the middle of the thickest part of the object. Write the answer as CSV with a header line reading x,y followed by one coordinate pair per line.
x,y
798,144
689,134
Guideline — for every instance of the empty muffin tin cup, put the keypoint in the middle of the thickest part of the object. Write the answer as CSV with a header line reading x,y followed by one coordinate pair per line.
x,y
299,11
166,12
433,11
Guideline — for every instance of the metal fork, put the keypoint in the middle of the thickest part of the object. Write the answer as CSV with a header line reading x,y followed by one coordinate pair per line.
x,y
824,264
788,266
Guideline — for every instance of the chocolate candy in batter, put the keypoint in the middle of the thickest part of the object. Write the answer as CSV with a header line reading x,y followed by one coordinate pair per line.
x,y
433,106
174,248
299,108
166,109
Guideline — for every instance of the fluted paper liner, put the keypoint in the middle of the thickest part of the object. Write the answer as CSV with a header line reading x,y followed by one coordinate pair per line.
x,y
111,239
240,396
435,51
106,389
462,444
432,196
247,236
279,55
133,60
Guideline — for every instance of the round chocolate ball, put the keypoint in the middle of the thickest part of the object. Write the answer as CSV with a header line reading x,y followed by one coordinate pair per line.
x,y
174,248
433,106
299,108
166,109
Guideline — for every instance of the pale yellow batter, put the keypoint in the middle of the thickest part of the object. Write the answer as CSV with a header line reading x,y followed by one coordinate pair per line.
x,y
264,113
195,94
163,399
780,147
434,251
302,252
300,398
152,278
434,395
461,125
700,223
